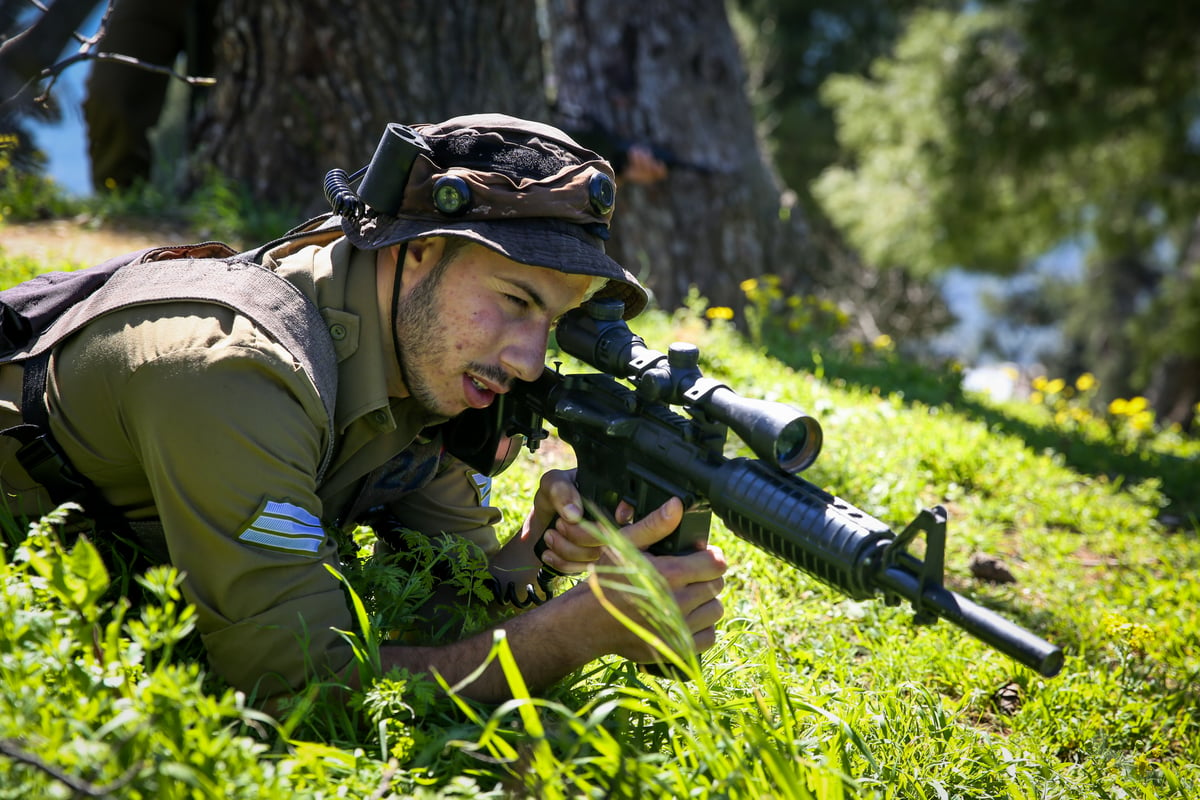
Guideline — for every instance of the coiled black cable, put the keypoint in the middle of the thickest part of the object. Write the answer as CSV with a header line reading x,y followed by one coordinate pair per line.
x,y
344,201
507,593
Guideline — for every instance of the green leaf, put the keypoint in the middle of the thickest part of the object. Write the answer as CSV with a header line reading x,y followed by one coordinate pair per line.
x,y
91,576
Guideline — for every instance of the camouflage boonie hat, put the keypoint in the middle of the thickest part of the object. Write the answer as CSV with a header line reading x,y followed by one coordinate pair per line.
x,y
524,189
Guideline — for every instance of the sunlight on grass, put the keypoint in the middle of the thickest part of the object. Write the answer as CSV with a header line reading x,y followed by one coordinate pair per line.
x,y
807,694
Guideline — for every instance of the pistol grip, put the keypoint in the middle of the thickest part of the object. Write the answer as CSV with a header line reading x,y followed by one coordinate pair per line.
x,y
540,547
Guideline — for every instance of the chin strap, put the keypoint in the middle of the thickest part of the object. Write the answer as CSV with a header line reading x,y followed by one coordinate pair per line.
x,y
396,302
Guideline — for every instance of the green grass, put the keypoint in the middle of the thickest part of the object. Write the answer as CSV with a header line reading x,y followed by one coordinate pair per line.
x,y
807,694
216,209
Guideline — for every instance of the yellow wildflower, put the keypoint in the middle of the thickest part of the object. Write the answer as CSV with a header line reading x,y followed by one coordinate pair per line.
x,y
719,312
1118,407
1137,405
1039,383
883,342
1055,386
749,285
1085,382
1135,636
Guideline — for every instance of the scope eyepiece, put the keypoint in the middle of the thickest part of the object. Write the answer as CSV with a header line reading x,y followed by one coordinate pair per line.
x,y
596,333
785,438
798,444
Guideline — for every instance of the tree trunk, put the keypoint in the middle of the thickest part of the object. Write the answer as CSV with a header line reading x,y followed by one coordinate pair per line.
x,y
669,72
1174,391
308,85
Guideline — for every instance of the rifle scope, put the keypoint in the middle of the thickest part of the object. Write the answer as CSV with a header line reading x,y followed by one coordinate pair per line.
x,y
596,333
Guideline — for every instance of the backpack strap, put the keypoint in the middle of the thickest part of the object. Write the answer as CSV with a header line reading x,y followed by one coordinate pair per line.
x,y
248,288
42,459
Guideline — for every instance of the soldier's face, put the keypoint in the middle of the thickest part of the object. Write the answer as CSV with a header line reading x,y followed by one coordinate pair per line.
x,y
467,325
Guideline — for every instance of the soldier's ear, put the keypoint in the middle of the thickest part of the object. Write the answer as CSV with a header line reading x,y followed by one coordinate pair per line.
x,y
421,255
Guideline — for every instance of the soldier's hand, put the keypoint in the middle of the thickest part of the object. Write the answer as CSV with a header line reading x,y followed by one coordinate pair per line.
x,y
569,546
695,580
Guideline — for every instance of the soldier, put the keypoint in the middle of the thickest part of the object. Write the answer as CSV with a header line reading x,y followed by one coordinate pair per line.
x,y
200,430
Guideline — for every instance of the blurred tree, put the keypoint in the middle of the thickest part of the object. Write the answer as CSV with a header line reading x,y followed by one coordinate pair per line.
x,y
792,47
670,73
31,42
307,85
126,106
993,135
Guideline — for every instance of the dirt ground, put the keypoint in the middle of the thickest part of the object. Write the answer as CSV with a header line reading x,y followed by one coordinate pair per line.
x,y
77,241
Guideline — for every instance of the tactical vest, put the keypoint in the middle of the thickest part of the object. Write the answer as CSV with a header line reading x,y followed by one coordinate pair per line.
x,y
37,315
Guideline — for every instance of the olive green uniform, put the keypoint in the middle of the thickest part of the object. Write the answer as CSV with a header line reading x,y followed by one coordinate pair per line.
x,y
186,413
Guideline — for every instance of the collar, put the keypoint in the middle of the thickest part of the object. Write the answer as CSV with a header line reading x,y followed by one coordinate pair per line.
x,y
340,279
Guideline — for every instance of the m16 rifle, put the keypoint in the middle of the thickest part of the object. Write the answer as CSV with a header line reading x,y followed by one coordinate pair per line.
x,y
630,445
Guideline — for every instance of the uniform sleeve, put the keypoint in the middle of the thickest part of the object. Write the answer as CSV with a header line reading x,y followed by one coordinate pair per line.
x,y
227,440
458,501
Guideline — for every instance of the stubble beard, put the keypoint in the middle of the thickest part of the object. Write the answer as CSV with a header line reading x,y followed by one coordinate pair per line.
x,y
423,346
419,341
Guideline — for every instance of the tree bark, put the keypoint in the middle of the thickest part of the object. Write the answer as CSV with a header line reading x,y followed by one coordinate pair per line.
x,y
304,86
669,72
1174,391
308,85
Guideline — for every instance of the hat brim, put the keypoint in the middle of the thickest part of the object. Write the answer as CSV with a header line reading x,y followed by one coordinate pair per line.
x,y
551,244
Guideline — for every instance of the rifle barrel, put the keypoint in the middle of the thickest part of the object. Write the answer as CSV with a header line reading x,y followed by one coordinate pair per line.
x,y
982,623
841,545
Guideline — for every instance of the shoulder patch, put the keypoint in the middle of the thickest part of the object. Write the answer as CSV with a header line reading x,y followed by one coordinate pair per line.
x,y
284,527
483,485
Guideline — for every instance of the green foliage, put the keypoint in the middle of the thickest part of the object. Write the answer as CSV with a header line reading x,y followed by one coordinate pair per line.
x,y
791,48
27,196
813,335
1177,301
963,146
997,132
94,701
20,268
892,198
807,694
218,209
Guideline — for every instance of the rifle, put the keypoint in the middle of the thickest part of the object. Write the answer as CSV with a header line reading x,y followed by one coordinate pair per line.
x,y
631,446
